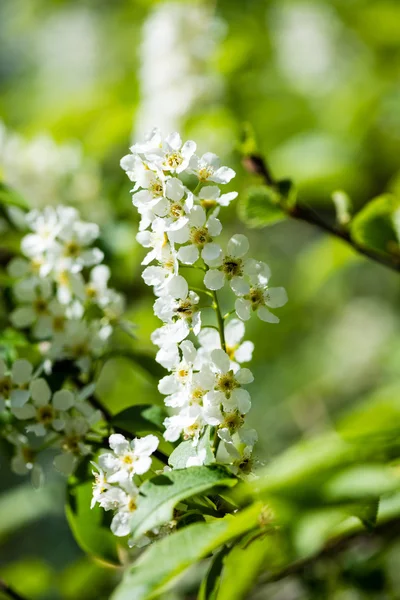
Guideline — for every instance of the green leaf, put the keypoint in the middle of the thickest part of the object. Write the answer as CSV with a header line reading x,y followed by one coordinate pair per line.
x,y
90,527
376,226
160,495
186,450
172,555
210,584
10,197
140,418
145,361
242,566
260,207
361,482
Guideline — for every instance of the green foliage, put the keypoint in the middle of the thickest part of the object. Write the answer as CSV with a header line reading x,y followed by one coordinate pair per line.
x,y
159,496
89,526
10,197
169,557
376,226
140,419
261,206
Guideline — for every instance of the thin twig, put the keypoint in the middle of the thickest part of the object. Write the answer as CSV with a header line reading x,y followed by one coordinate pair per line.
x,y
256,164
10,592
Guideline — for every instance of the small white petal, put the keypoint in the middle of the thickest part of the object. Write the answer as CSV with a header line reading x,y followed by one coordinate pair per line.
x,y
40,392
243,308
234,332
244,376
239,286
214,279
245,352
238,246
19,398
211,252
63,400
188,254
275,297
118,443
265,315
221,360
178,287
21,371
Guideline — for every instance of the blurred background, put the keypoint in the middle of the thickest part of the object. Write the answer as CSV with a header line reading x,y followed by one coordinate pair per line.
x,y
319,81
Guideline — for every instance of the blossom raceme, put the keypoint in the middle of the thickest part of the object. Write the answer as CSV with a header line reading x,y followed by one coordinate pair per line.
x,y
179,197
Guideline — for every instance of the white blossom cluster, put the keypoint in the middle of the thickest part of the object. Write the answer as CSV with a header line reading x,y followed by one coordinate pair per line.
x,y
116,478
61,289
38,418
178,196
41,170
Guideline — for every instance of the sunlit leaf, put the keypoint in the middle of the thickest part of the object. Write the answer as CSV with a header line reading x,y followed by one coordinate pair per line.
x,y
160,495
260,207
172,555
375,226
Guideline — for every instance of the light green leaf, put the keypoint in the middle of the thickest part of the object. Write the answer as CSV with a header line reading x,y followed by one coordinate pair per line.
x,y
89,526
160,495
361,482
376,225
10,197
186,450
172,555
260,207
242,566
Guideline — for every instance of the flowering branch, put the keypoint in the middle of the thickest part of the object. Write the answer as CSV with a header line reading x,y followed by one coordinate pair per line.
x,y
255,163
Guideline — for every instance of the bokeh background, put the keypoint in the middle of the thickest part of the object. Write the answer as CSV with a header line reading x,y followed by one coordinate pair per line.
x,y
319,81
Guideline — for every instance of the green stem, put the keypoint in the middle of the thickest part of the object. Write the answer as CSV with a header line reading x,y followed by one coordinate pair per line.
x,y
201,291
220,319
229,313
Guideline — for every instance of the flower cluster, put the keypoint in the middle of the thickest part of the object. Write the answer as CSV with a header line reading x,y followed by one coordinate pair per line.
x,y
178,196
61,289
115,486
38,418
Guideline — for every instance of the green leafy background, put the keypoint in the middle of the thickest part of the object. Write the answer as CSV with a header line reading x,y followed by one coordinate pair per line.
x,y
317,80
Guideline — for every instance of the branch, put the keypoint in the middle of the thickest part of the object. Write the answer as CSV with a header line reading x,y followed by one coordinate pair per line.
x,y
389,530
9,591
256,164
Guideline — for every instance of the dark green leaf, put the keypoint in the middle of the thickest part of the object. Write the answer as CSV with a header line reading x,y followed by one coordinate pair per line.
x,y
260,207
89,526
210,584
140,418
159,496
145,361
172,555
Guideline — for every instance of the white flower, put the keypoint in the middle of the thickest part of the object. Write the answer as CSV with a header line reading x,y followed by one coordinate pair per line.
x,y
175,384
35,295
237,350
126,499
198,460
181,315
188,422
14,384
164,276
200,231
127,458
46,411
173,156
207,168
234,268
257,299
73,241
46,225
228,391
210,196
72,443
